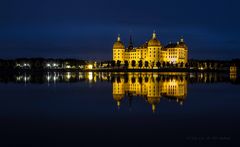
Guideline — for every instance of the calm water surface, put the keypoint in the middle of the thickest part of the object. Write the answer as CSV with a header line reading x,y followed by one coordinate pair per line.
x,y
126,109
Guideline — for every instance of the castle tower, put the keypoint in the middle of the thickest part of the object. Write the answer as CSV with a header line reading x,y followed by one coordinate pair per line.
x,y
182,44
118,91
153,94
118,50
154,50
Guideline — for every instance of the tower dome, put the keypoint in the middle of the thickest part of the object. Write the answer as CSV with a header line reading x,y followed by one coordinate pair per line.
x,y
154,41
182,43
118,98
118,44
153,101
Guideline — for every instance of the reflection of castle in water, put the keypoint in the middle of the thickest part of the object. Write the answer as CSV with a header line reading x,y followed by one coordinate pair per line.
x,y
93,77
150,86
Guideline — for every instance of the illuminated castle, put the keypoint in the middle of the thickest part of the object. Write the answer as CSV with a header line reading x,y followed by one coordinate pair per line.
x,y
149,86
150,53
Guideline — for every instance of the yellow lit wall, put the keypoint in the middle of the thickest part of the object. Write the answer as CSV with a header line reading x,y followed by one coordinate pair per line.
x,y
153,55
152,89
177,54
119,54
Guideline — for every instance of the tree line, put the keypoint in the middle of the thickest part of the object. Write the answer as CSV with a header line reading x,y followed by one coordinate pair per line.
x,y
38,63
192,63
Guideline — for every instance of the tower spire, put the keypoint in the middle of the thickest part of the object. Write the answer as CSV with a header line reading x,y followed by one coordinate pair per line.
x,y
154,34
181,39
118,104
130,46
118,38
153,108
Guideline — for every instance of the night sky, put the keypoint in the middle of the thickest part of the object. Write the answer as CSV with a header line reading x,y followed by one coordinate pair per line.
x,y
87,29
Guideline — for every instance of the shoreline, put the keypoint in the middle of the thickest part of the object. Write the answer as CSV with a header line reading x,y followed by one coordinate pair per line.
x,y
112,70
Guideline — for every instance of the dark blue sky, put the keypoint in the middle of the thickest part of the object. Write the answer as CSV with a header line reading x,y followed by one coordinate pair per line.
x,y
87,29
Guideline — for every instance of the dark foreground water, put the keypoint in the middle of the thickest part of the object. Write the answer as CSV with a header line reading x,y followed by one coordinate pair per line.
x,y
131,109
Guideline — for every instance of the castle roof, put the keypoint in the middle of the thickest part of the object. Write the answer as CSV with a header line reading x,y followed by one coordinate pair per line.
x,y
180,44
118,44
154,41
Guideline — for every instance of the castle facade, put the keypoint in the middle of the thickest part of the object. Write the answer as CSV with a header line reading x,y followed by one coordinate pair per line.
x,y
151,54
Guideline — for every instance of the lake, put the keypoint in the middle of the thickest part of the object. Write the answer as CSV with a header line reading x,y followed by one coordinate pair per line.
x,y
119,109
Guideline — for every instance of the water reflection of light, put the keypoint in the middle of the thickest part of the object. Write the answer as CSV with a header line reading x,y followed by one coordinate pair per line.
x,y
55,78
23,78
68,75
104,76
18,78
90,76
54,64
68,66
181,103
192,75
172,83
80,76
52,78
172,87
48,77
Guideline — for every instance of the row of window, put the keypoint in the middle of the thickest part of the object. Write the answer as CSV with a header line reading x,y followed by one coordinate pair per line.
x,y
175,53
154,56
118,54
170,53
153,52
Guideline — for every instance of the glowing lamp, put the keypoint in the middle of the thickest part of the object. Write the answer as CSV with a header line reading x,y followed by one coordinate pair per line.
x,y
90,66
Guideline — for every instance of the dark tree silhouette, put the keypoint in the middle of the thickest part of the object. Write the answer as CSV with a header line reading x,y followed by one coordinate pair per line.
x,y
146,64
140,80
113,64
181,65
108,64
140,64
158,64
133,63
126,64
187,65
168,64
164,64
171,64
146,79
153,64
133,79
118,64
